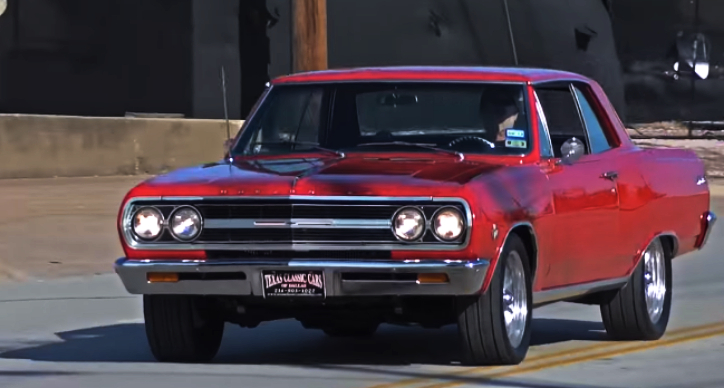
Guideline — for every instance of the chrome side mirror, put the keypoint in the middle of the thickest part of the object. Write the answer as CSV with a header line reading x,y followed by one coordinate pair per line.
x,y
572,150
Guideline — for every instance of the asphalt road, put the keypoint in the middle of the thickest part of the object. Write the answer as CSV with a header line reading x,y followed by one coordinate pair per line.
x,y
88,332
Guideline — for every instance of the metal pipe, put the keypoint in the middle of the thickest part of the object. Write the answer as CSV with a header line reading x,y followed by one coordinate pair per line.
x,y
510,32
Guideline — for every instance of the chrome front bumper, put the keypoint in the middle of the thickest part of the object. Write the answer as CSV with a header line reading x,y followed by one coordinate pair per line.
x,y
244,277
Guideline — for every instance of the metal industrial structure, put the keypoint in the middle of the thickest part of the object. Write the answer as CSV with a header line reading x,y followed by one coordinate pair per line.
x,y
657,59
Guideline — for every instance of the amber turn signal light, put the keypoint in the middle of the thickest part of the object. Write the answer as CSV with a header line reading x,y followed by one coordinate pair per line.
x,y
427,278
160,277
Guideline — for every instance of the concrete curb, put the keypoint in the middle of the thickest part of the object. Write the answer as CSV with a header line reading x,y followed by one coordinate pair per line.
x,y
716,189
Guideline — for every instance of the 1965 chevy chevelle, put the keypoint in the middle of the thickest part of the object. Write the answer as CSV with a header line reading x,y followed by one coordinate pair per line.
x,y
427,196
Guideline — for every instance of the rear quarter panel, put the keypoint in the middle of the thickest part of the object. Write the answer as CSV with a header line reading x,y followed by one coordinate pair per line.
x,y
676,197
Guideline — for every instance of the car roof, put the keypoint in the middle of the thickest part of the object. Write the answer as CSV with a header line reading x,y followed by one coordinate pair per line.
x,y
432,73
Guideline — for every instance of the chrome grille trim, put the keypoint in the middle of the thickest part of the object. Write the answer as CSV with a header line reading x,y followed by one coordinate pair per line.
x,y
307,223
294,224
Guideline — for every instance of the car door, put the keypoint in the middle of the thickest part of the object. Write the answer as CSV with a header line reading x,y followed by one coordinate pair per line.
x,y
623,171
584,194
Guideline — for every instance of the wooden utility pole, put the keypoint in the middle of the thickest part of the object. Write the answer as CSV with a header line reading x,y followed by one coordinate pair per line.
x,y
309,35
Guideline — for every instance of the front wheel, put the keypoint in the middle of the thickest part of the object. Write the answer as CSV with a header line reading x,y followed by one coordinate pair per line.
x,y
640,310
495,327
182,328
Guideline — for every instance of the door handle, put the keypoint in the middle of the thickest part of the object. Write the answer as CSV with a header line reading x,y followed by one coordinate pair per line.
x,y
610,175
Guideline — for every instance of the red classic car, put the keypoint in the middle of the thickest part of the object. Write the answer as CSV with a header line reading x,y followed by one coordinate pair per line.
x,y
425,195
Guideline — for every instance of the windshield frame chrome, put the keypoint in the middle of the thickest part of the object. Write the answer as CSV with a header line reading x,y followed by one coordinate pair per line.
x,y
254,114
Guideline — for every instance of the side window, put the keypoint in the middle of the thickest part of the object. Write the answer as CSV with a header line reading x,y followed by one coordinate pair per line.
x,y
546,150
596,136
561,113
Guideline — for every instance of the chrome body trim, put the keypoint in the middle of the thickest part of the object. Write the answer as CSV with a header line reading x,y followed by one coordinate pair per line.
x,y
466,277
307,223
535,244
128,237
675,248
709,219
569,292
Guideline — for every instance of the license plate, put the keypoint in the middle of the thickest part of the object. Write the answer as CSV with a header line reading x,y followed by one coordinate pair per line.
x,y
293,283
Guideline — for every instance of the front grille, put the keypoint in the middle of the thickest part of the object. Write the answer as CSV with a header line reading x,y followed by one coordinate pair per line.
x,y
297,222
288,255
298,211
295,235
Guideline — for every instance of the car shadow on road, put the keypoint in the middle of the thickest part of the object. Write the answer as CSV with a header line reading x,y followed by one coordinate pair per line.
x,y
287,343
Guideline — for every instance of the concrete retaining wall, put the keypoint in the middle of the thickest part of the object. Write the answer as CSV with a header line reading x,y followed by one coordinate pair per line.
x,y
50,146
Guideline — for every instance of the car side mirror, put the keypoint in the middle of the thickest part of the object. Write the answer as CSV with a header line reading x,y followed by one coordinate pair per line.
x,y
571,151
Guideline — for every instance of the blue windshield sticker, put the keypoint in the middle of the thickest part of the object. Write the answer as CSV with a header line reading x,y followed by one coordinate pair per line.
x,y
515,133
513,143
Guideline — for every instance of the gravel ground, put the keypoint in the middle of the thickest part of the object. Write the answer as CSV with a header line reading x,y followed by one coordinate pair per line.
x,y
708,144
710,151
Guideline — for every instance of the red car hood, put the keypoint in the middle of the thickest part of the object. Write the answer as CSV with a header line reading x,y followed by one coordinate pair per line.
x,y
319,176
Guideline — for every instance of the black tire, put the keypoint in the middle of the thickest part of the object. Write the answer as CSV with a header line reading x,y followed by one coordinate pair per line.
x,y
626,317
351,331
481,321
182,328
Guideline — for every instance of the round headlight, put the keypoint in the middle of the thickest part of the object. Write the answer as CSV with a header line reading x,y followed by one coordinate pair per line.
x,y
408,224
147,223
185,223
447,224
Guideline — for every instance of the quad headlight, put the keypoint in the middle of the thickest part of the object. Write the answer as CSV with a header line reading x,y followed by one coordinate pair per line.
x,y
408,224
448,224
147,223
185,223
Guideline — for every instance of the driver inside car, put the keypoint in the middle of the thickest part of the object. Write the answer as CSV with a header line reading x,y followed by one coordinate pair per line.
x,y
499,110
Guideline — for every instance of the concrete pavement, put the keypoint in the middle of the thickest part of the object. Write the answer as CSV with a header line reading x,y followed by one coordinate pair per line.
x,y
60,227
86,331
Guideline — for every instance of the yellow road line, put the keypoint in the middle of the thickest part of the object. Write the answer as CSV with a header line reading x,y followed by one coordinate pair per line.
x,y
568,352
565,361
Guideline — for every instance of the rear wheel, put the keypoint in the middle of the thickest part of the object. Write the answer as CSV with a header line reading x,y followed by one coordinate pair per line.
x,y
182,328
640,310
495,327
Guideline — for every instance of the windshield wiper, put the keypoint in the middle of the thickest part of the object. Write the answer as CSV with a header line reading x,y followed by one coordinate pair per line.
x,y
312,145
418,145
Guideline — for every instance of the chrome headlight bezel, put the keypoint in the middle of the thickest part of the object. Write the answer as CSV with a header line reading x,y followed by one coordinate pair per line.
x,y
159,216
199,224
422,224
461,221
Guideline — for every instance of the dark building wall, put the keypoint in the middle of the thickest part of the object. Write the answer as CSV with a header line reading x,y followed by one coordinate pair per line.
x,y
215,43
88,57
573,35
646,34
416,32
106,58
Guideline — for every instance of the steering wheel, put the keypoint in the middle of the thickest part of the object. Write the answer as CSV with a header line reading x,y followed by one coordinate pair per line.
x,y
473,138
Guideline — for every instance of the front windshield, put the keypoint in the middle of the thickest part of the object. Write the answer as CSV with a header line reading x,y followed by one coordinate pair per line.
x,y
470,118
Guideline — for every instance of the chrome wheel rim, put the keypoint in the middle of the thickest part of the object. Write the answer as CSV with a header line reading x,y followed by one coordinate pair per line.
x,y
515,299
655,280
